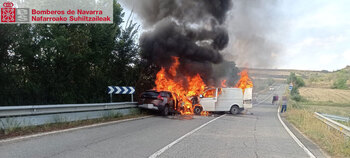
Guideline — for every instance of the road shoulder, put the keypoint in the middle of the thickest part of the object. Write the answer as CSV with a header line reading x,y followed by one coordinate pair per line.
x,y
94,125
314,148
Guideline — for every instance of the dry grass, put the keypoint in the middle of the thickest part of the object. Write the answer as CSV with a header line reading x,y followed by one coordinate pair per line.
x,y
324,100
334,110
330,101
319,84
326,95
330,140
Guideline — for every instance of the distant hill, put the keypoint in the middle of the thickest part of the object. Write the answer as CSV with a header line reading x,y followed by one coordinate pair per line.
x,y
280,73
322,78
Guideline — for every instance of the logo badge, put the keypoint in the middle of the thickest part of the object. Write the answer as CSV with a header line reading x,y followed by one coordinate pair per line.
x,y
8,13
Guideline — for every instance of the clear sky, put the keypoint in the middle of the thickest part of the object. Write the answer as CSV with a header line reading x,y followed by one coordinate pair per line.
x,y
318,34
315,34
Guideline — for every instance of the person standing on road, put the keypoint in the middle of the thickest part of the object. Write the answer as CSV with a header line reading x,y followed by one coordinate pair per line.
x,y
275,99
284,104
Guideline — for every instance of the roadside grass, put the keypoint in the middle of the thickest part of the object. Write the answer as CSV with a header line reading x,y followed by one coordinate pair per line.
x,y
326,95
339,79
329,101
345,123
333,142
334,110
108,117
319,97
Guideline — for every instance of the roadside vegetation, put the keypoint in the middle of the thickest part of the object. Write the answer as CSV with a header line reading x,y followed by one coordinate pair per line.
x,y
297,83
68,64
15,130
331,141
339,79
324,92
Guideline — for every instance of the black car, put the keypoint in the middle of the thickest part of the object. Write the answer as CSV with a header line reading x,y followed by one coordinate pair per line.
x,y
163,101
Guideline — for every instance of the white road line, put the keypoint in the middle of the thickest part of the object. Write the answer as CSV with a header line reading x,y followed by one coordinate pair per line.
x,y
268,97
68,130
311,155
156,154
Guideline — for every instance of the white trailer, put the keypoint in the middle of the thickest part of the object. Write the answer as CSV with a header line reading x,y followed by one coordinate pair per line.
x,y
226,99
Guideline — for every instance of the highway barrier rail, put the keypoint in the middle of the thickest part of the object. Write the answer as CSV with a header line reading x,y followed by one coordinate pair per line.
x,y
336,125
337,118
32,115
10,111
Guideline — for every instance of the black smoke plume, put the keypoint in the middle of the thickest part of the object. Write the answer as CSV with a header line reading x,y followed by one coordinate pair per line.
x,y
190,29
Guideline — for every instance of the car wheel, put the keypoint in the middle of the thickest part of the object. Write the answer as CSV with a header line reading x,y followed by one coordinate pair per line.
x,y
165,111
197,110
234,110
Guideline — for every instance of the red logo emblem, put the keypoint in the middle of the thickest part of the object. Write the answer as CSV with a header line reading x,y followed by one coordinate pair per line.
x,y
8,14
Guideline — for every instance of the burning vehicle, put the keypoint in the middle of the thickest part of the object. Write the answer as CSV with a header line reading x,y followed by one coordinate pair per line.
x,y
163,101
184,40
193,96
225,99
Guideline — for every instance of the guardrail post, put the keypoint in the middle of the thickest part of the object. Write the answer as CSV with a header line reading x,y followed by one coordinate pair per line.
x,y
34,109
111,97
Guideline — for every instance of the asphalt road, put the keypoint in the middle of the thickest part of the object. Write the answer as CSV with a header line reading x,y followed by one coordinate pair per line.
x,y
255,134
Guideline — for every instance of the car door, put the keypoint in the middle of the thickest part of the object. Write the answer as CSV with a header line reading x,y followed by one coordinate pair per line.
x,y
208,103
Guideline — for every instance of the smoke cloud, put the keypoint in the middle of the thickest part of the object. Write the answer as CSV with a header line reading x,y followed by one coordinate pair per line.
x,y
252,27
190,29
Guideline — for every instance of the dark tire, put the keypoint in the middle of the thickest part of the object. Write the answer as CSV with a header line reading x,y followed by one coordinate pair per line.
x,y
234,110
197,110
165,111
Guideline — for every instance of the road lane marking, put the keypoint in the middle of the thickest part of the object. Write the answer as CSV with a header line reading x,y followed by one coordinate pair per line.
x,y
269,96
311,155
68,130
159,152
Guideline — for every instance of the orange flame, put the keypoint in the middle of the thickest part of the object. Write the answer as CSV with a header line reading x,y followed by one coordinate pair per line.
x,y
170,81
175,65
245,81
223,84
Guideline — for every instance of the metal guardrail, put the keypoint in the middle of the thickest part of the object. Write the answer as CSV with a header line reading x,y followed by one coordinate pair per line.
x,y
9,111
337,118
338,126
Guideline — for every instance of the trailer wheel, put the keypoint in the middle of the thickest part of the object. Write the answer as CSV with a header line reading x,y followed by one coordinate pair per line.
x,y
234,110
197,110
165,111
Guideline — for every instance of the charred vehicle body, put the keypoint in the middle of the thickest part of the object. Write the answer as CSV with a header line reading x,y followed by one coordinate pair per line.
x,y
163,101
233,100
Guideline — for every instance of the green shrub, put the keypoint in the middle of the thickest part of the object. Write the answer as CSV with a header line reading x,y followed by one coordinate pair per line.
x,y
297,83
340,83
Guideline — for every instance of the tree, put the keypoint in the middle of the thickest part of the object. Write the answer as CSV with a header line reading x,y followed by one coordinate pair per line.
x,y
66,63
342,77
297,83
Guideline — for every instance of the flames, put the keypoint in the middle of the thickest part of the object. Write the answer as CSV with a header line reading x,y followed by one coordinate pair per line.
x,y
223,83
245,81
186,90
